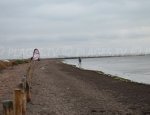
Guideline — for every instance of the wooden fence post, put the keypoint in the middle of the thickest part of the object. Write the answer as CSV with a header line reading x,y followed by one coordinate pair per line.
x,y
28,92
24,100
28,82
8,107
29,75
18,102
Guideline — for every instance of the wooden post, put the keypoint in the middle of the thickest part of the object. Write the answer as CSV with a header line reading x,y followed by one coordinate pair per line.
x,y
24,100
28,81
24,103
8,107
28,92
29,74
18,102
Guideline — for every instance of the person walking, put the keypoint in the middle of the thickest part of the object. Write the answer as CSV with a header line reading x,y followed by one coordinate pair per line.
x,y
80,61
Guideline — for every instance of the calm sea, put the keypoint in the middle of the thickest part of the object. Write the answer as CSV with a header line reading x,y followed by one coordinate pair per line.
x,y
135,68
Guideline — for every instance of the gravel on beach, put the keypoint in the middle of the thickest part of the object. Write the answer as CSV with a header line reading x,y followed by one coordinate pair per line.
x,y
60,89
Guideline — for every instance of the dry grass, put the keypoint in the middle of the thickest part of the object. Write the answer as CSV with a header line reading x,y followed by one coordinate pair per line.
x,y
4,65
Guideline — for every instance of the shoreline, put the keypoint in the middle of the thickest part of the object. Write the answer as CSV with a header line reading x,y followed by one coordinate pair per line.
x,y
117,77
85,57
126,68
128,92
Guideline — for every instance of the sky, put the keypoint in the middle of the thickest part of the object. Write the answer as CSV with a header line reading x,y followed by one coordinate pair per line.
x,y
74,24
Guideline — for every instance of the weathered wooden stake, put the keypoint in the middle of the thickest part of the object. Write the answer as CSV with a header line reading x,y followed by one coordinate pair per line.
x,y
29,74
8,107
24,103
28,92
18,102
24,100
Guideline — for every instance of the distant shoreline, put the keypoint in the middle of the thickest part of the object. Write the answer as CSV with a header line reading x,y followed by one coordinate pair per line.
x,y
76,57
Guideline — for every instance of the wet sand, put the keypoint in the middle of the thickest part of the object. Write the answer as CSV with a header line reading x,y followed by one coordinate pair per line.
x,y
60,89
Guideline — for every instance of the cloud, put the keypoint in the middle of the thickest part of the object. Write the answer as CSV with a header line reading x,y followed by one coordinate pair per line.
x,y
74,23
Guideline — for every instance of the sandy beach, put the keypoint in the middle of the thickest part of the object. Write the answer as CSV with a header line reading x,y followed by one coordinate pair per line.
x,y
60,89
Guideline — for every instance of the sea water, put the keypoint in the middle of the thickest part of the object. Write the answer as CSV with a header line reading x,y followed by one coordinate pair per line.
x,y
134,68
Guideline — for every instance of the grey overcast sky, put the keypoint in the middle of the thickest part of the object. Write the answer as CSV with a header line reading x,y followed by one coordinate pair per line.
x,y
74,23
